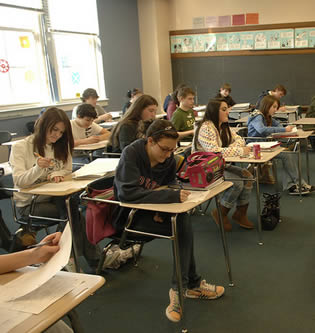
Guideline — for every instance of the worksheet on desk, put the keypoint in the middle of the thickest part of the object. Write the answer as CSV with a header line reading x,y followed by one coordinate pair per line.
x,y
33,279
9,319
98,167
197,196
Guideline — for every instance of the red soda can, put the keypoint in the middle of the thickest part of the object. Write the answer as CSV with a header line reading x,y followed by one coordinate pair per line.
x,y
256,151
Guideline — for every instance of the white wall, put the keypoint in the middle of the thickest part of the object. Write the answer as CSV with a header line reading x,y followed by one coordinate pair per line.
x,y
270,11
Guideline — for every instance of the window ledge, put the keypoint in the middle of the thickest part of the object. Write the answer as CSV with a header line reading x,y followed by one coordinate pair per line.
x,y
27,111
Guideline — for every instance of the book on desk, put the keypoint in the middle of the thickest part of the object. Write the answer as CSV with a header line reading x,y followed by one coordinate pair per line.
x,y
189,187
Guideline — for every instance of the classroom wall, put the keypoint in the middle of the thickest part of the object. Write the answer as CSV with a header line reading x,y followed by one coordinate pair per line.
x,y
120,44
270,11
155,55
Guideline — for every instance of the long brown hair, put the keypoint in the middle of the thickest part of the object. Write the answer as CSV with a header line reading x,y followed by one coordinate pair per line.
x,y
213,114
133,115
62,147
265,106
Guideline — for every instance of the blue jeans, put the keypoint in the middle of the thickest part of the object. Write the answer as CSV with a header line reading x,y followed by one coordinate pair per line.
x,y
239,193
290,174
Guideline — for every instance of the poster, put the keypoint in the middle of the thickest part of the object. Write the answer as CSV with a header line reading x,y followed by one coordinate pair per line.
x,y
286,39
222,42
199,43
176,44
234,41
301,38
247,40
273,39
311,37
210,42
260,40
187,44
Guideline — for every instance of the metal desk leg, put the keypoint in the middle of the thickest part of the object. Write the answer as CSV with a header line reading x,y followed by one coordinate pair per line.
x,y
256,169
178,269
225,248
307,164
300,169
74,247
75,321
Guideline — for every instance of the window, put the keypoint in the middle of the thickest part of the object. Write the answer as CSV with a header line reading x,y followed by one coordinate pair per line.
x,y
46,55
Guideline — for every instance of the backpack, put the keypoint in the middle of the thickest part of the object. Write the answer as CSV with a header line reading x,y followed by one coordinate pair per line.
x,y
204,168
99,215
270,216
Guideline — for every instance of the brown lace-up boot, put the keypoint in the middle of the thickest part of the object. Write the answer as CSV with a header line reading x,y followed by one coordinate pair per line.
x,y
240,216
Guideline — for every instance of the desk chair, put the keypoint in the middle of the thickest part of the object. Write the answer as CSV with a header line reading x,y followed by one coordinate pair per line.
x,y
33,222
124,239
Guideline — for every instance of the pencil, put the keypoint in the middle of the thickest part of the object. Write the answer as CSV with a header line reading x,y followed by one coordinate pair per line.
x,y
39,156
39,244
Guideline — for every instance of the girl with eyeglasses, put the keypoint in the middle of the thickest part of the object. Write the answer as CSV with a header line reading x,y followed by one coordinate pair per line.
x,y
145,165
213,134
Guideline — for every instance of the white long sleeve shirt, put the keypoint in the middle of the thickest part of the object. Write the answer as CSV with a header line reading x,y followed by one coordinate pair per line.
x,y
26,171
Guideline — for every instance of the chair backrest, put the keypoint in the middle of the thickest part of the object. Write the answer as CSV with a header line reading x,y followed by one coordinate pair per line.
x,y
5,136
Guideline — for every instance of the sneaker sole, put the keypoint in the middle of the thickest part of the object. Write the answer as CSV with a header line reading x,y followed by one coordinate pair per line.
x,y
171,318
205,298
302,193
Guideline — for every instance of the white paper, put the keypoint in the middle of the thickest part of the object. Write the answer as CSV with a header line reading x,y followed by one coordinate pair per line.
x,y
39,299
264,145
197,196
9,319
31,280
200,108
98,167
92,146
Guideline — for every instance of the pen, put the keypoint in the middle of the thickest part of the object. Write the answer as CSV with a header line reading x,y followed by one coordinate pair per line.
x,y
39,244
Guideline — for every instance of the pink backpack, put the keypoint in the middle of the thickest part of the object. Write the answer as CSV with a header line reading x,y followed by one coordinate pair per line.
x,y
204,168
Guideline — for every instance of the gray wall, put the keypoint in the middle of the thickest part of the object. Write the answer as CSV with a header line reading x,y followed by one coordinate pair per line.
x,y
249,76
119,33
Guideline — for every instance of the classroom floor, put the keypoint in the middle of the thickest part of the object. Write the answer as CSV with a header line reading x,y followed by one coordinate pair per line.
x,y
274,283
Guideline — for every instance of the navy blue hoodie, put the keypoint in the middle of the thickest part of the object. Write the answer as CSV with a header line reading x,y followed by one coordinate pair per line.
x,y
135,180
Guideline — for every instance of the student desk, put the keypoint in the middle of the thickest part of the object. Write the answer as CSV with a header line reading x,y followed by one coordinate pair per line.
x,y
108,124
265,157
89,148
301,135
36,323
60,191
305,121
240,112
242,120
177,208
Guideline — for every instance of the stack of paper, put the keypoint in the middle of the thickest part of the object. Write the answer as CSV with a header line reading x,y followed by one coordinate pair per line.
x,y
266,146
97,168
240,107
291,107
200,108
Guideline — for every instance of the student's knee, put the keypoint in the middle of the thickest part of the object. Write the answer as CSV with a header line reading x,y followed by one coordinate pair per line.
x,y
248,184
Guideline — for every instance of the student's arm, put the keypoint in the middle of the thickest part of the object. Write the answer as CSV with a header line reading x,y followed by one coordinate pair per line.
x,y
127,181
20,157
13,261
58,175
258,124
98,134
103,117
208,138
104,134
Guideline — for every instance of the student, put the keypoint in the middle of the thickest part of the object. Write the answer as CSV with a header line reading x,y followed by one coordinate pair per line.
x,y
278,92
145,165
213,134
261,124
171,102
184,117
84,129
46,155
134,123
224,93
39,255
90,96
132,95
310,113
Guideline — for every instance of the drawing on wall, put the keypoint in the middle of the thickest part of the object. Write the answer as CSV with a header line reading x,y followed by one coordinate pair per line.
x,y
301,38
4,66
287,39
199,43
210,42
273,37
234,41
222,42
260,40
311,38
247,40
176,44
187,44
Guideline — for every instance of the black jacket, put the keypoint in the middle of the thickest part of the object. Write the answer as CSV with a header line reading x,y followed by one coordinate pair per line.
x,y
263,94
135,180
228,99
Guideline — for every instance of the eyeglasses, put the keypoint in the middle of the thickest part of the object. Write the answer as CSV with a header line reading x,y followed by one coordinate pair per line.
x,y
167,150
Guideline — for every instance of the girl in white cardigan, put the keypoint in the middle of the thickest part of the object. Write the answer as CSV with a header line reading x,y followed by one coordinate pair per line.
x,y
214,135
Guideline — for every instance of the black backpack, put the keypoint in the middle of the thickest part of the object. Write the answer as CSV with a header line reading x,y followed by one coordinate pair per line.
x,y
270,215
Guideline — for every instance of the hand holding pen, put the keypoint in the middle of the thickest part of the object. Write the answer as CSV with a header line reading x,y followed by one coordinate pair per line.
x,y
43,162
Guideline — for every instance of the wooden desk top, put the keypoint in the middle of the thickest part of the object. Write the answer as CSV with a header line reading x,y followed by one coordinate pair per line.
x,y
177,208
38,323
242,120
265,157
300,135
305,121
92,146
